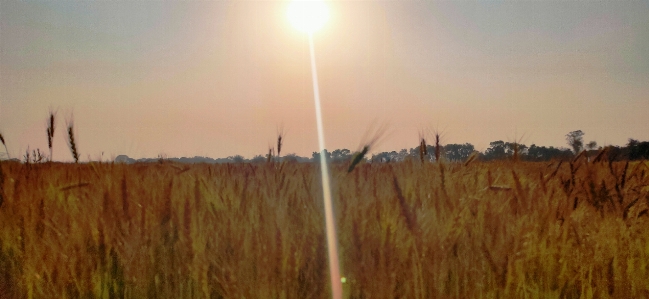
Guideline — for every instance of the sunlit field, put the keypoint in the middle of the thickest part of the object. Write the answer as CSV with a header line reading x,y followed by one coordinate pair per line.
x,y
405,230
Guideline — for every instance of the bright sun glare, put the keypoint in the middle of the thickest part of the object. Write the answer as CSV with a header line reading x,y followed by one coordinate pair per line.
x,y
308,15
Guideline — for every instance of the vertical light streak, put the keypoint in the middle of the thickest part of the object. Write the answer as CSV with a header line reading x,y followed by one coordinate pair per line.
x,y
334,270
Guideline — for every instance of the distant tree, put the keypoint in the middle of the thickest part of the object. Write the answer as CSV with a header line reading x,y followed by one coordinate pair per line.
x,y
431,151
534,153
637,150
237,159
394,156
291,158
496,151
576,140
413,152
385,157
591,145
380,157
510,148
124,159
195,159
341,155
258,159
315,156
542,153
403,153
499,150
458,152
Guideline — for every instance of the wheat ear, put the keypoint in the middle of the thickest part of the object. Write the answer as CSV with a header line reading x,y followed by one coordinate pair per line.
x,y
71,142
3,143
50,132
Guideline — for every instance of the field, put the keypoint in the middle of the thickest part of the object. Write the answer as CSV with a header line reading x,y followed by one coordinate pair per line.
x,y
405,230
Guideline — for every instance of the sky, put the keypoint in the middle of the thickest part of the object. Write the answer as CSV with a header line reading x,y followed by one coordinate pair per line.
x,y
219,78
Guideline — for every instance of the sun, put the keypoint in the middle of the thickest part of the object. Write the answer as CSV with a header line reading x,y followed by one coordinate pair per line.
x,y
308,15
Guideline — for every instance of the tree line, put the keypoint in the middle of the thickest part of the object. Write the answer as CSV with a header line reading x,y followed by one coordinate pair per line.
x,y
501,150
497,150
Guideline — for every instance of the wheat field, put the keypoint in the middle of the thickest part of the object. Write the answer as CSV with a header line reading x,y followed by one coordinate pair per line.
x,y
405,230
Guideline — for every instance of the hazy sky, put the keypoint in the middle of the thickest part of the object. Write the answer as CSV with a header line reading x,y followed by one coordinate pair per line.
x,y
216,78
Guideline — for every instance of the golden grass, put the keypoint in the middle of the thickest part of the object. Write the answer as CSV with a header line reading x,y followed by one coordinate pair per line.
x,y
488,230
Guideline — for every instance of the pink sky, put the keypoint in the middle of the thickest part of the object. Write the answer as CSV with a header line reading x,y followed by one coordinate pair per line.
x,y
217,78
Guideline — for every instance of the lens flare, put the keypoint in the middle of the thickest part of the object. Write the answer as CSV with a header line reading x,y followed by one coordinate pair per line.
x,y
332,243
309,16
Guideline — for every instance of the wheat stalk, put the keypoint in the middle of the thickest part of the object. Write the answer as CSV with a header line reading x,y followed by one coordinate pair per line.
x,y
471,158
601,155
515,157
581,154
3,143
270,154
71,142
423,151
517,143
279,146
377,136
280,136
27,156
357,158
50,131
406,211
437,147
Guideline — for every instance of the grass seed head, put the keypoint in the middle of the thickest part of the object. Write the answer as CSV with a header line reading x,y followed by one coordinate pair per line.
x,y
5,145
515,157
71,142
269,157
377,136
358,157
50,131
517,147
423,148
280,137
438,150
27,156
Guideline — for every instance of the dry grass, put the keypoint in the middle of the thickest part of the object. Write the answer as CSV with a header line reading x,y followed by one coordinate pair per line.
x,y
491,230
